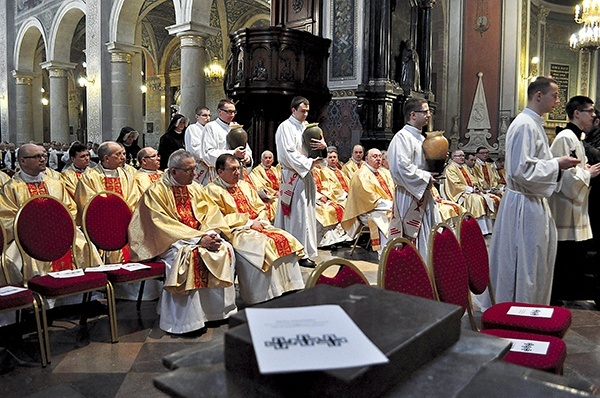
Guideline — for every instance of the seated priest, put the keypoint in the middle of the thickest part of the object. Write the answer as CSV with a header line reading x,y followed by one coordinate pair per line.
x,y
176,221
333,171
80,161
491,196
331,200
31,180
355,162
267,179
460,186
267,257
449,210
108,175
149,161
370,201
486,172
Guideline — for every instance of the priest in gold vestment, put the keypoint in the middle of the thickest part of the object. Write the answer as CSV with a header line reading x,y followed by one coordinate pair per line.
x,y
149,172
370,200
267,257
31,180
267,179
80,161
355,162
177,222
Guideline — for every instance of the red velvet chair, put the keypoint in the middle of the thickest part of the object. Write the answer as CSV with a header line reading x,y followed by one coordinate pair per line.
x,y
45,231
346,275
106,219
452,284
22,300
403,270
476,255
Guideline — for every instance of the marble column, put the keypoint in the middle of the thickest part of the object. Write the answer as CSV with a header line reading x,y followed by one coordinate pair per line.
x,y
23,106
193,87
59,100
122,86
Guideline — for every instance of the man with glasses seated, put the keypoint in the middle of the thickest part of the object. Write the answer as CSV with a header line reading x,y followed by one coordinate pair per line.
x,y
31,180
267,257
214,142
178,222
149,160
486,171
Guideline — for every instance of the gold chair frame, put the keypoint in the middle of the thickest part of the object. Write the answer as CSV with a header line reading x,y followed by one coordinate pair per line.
x,y
316,273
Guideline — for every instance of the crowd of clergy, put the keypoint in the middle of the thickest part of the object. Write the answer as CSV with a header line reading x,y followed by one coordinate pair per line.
x,y
210,216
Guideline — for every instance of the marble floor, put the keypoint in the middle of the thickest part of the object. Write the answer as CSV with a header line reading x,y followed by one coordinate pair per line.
x,y
86,364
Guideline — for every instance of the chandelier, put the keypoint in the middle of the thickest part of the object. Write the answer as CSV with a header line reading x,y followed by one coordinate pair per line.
x,y
588,37
214,72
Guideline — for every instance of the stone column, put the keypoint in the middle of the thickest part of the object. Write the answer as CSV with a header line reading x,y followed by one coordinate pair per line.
x,y
59,100
424,45
122,85
23,106
193,61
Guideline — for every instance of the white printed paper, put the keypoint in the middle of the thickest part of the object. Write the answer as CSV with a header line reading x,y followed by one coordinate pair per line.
x,y
529,346
104,268
309,338
135,266
537,312
68,273
8,290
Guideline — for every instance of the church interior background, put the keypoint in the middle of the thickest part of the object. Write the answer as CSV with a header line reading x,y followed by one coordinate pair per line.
x,y
81,70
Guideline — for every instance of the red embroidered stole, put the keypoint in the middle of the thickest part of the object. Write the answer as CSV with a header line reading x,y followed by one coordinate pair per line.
x,y
339,210
465,174
383,184
37,189
183,203
247,178
154,176
486,175
501,174
341,179
273,178
200,270
113,184
78,174
317,178
243,206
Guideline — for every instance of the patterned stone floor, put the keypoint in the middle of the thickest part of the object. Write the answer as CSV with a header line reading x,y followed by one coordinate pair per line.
x,y
85,364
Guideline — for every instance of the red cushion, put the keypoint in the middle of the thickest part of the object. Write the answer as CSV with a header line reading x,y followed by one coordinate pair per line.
x,y
405,272
450,269
45,229
106,220
53,287
124,276
346,276
551,362
476,255
496,318
16,300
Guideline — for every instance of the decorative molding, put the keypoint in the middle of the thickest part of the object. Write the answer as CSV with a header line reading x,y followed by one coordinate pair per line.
x,y
192,28
23,78
120,57
189,40
338,94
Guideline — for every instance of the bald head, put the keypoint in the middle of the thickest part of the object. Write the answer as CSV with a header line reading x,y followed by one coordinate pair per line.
x,y
374,158
357,153
267,159
32,159
111,154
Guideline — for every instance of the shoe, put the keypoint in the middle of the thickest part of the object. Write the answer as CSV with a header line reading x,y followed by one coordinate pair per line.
x,y
307,262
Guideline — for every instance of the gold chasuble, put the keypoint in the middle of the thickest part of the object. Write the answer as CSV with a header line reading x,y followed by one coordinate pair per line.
x,y
144,178
241,205
351,167
16,192
328,212
96,179
366,189
458,179
268,182
71,176
168,213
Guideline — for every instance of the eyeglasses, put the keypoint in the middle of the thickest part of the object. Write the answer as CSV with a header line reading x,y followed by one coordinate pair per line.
x,y
228,111
151,156
38,156
590,111
188,170
233,169
459,156
484,152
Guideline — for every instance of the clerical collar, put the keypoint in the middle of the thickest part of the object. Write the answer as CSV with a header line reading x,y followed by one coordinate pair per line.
x,y
29,178
479,161
222,123
374,170
265,167
355,162
296,122
110,172
412,129
578,132
224,183
172,181
78,169
533,114
148,171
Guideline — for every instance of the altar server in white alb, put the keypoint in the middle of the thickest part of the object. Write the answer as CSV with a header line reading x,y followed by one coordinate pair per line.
x,y
524,239
415,211
194,135
296,212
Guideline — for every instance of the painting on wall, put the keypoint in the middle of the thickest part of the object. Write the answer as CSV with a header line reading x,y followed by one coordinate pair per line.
x,y
560,73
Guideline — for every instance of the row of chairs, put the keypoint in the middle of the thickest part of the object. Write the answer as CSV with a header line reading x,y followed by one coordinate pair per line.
x,y
45,231
456,270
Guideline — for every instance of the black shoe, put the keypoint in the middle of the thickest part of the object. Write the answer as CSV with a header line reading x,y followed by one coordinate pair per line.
x,y
307,262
